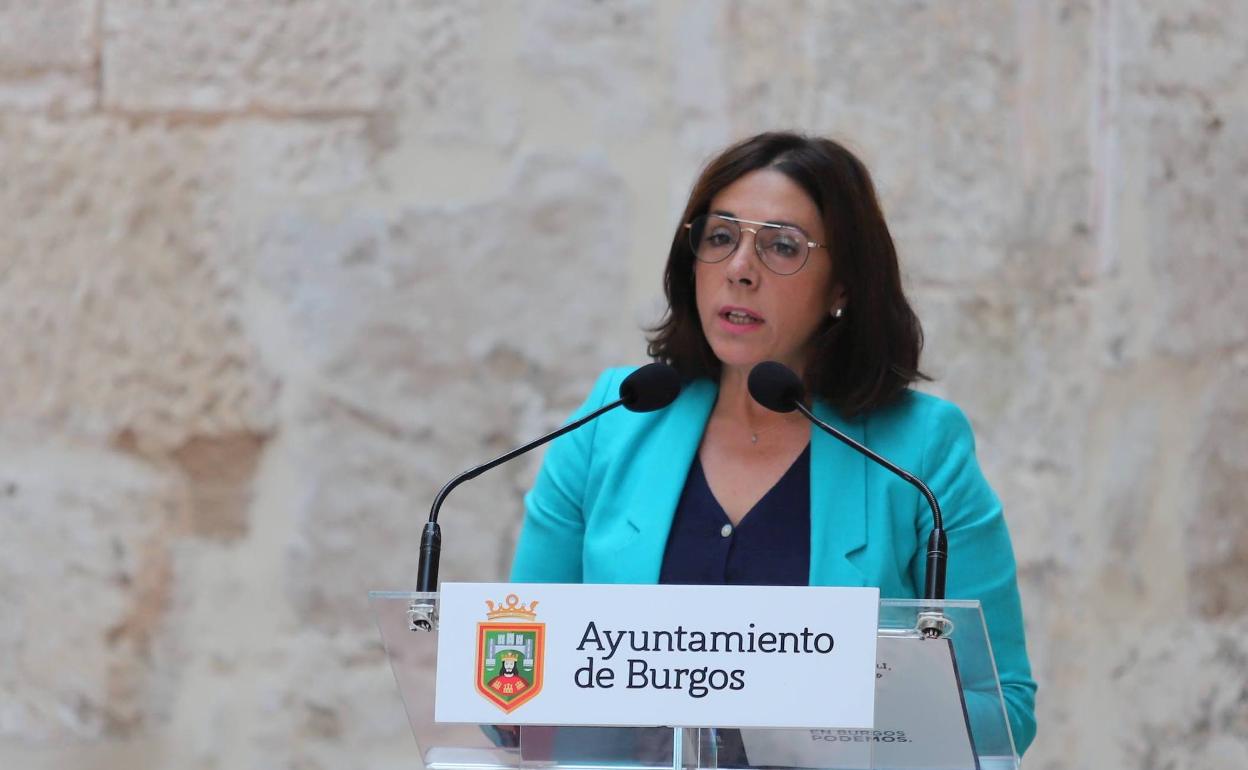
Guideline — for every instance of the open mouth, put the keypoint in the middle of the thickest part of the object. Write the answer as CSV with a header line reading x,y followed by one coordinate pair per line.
x,y
739,317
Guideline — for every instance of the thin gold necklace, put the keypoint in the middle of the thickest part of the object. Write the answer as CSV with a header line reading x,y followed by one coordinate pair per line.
x,y
755,434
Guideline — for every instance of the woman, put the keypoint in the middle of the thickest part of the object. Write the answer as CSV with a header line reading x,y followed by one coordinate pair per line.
x,y
782,254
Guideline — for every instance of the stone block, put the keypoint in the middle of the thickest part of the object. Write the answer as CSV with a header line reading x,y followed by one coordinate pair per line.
x,y
262,685
319,57
1216,531
438,339
52,35
1186,128
55,92
87,568
47,55
971,130
768,54
308,56
999,355
700,99
276,162
121,292
1202,718
601,57
450,79
927,92
1173,696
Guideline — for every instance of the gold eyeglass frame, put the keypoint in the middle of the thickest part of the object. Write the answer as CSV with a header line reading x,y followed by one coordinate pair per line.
x,y
754,231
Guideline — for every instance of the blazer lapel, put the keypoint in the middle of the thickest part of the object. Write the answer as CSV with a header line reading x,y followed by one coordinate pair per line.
x,y
838,501
659,468
660,464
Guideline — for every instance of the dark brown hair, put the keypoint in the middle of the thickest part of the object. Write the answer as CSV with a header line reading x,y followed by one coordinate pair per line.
x,y
859,362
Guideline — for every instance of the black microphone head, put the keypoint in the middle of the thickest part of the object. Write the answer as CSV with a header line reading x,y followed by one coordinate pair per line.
x,y
650,388
776,386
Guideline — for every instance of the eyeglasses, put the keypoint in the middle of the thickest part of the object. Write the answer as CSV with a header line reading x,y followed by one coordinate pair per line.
x,y
783,249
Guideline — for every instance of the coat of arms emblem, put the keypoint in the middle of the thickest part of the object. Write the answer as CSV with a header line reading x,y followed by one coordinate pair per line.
x,y
510,649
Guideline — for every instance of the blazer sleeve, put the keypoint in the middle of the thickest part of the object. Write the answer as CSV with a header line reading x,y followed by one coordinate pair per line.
x,y
981,558
549,547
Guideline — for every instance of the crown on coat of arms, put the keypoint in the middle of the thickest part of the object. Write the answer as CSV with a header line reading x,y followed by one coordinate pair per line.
x,y
509,655
511,607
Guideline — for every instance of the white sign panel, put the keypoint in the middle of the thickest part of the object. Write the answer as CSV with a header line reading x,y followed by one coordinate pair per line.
x,y
922,723
632,655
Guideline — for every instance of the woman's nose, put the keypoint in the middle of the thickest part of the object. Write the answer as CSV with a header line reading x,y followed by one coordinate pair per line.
x,y
743,264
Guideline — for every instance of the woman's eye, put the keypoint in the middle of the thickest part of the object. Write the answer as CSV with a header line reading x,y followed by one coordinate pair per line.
x,y
784,249
719,239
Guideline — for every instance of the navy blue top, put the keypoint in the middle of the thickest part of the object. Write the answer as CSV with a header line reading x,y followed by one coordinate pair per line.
x,y
770,546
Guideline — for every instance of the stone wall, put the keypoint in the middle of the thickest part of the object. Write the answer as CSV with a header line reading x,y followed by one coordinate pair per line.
x,y
270,272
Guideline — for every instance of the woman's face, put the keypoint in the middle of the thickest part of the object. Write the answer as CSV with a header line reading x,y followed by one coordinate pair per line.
x,y
749,313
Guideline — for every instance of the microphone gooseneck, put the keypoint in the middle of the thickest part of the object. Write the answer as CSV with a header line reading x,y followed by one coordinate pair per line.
x,y
776,387
647,389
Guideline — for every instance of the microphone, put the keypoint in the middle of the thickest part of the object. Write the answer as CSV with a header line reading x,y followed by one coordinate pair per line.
x,y
647,389
776,387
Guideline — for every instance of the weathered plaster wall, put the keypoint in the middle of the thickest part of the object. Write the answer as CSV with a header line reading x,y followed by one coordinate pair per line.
x,y
271,272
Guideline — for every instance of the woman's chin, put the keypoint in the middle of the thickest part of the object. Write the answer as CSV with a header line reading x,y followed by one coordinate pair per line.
x,y
732,357
737,358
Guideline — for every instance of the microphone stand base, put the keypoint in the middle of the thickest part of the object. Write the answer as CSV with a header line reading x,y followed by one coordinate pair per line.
x,y
933,624
422,615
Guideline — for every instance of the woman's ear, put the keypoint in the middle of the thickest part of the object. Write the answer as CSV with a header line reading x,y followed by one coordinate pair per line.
x,y
840,301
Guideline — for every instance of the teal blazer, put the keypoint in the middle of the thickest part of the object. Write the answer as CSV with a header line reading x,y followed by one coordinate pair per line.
x,y
602,505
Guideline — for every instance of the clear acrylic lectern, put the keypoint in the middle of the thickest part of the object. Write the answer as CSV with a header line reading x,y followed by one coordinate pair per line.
x,y
916,708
